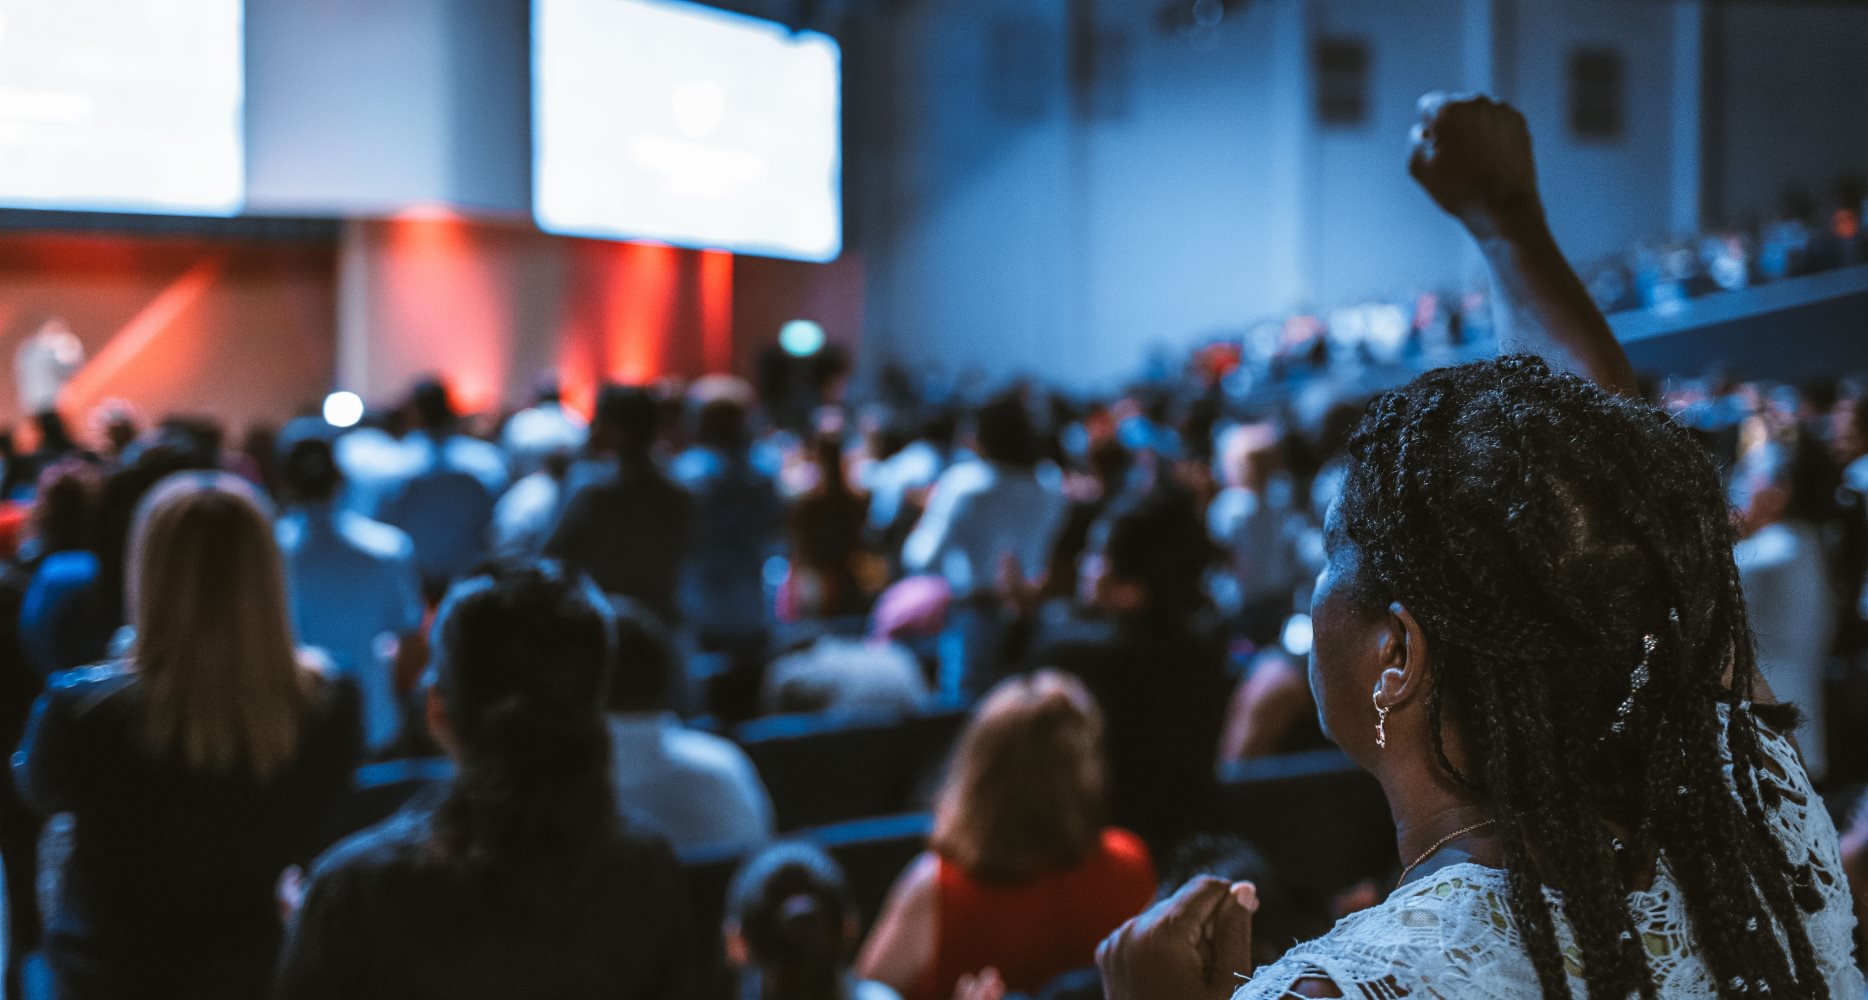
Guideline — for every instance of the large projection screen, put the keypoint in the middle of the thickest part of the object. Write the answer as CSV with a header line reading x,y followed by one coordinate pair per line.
x,y
122,105
674,122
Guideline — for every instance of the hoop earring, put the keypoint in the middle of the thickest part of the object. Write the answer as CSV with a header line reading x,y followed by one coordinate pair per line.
x,y
1381,724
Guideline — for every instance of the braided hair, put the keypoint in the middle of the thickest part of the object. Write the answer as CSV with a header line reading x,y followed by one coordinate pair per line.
x,y
1568,554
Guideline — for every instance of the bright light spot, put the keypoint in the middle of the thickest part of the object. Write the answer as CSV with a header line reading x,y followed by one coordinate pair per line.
x,y
699,107
1298,635
801,338
343,409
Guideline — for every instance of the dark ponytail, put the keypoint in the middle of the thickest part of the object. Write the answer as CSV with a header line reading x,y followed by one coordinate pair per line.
x,y
521,664
793,909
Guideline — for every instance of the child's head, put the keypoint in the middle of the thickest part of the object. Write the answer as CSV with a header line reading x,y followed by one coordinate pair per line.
x,y
790,914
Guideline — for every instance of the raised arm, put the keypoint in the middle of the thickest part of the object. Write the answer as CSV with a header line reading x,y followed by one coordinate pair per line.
x,y
1473,156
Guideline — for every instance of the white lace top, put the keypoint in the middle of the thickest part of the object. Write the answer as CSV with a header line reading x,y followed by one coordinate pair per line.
x,y
1450,934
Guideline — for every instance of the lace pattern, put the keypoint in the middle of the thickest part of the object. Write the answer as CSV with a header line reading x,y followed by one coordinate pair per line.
x,y
1450,934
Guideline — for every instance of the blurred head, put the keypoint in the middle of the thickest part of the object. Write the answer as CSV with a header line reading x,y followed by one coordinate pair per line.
x,y
790,913
647,662
213,635
547,390
1026,791
625,420
520,661
1004,432
64,508
309,471
1535,579
432,406
721,423
1787,478
1155,557
1249,456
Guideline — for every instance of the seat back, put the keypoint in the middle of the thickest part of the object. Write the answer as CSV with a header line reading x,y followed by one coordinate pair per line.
x,y
1315,815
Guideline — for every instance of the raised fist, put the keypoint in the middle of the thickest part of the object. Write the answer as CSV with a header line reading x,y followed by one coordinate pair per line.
x,y
1473,155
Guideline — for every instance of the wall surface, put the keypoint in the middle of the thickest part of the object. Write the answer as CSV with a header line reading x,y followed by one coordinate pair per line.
x,y
1028,222
240,330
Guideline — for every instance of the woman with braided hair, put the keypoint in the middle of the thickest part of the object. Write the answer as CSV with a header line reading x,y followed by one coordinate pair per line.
x,y
1530,629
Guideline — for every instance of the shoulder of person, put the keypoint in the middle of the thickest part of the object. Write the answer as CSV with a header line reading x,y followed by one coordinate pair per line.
x,y
82,687
400,841
384,541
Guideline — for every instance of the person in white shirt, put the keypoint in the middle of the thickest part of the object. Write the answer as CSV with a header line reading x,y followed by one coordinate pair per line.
x,y
544,429
697,789
1780,489
983,517
354,589
982,510
1256,520
44,363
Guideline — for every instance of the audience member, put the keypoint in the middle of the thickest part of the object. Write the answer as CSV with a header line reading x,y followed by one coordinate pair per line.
x,y
446,502
354,587
544,429
1529,628
736,520
528,510
896,482
697,789
196,770
1157,665
1256,520
791,928
1782,490
1023,874
981,511
630,530
521,880
837,673
58,617
826,534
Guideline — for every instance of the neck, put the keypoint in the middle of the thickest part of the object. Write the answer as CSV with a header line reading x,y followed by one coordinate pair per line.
x,y
1427,806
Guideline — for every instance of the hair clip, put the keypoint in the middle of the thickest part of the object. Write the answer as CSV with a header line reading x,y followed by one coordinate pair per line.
x,y
1636,682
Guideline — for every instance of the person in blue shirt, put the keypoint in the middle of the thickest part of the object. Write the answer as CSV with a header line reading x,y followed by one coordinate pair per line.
x,y
737,518
446,503
354,587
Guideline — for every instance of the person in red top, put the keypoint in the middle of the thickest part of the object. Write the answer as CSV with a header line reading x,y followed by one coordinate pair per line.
x,y
1024,876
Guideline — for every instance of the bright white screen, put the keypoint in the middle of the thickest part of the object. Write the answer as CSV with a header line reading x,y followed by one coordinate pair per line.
x,y
684,124
121,105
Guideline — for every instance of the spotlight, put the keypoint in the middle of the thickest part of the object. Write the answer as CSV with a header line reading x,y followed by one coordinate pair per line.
x,y
343,409
801,338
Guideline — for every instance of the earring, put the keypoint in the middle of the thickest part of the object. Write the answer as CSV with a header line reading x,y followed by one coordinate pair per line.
x,y
1381,724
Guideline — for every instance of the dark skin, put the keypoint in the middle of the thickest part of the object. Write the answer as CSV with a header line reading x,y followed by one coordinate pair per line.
x,y
1472,155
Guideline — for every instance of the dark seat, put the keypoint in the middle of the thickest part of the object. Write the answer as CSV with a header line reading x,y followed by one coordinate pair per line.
x,y
829,767
825,767
873,852
1315,815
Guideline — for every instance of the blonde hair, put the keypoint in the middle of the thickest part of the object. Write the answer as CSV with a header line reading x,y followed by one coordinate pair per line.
x,y
1025,795
214,651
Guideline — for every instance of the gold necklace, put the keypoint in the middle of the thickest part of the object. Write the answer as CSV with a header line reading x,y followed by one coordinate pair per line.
x,y
1442,842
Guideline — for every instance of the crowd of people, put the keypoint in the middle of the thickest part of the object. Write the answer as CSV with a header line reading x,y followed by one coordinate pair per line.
x,y
1554,619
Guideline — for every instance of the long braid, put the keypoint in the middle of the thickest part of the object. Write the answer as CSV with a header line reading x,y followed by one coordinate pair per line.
x,y
1568,555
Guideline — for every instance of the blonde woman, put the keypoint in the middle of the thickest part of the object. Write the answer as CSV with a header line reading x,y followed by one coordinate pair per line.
x,y
197,768
1024,874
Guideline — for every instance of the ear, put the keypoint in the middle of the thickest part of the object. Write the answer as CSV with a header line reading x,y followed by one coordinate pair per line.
x,y
1403,657
439,726
738,954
